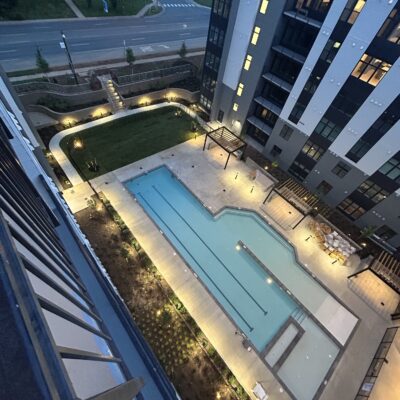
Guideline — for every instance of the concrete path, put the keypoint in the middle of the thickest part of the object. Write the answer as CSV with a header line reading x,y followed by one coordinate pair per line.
x,y
41,120
62,159
74,8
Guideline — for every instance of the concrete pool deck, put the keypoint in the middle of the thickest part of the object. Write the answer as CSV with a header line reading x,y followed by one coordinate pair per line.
x,y
218,188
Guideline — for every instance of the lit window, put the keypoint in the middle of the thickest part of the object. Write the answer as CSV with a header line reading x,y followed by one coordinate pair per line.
x,y
247,63
235,106
256,34
240,89
370,69
264,6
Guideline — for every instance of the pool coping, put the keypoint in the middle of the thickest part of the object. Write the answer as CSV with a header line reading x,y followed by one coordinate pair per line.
x,y
216,215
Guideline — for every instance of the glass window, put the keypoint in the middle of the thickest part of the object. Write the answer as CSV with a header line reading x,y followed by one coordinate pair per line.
x,y
247,62
391,169
324,188
352,11
391,28
330,50
264,6
286,132
385,233
256,34
359,150
299,170
341,169
351,209
235,106
370,69
327,129
297,112
240,89
276,151
313,151
373,191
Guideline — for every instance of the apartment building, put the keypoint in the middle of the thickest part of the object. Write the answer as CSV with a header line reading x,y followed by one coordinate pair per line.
x,y
65,332
315,85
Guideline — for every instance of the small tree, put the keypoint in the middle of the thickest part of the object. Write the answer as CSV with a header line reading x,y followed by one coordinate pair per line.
x,y
41,62
89,3
114,4
130,58
183,50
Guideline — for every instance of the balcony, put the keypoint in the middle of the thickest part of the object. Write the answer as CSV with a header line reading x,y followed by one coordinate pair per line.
x,y
260,125
286,86
303,18
268,105
290,54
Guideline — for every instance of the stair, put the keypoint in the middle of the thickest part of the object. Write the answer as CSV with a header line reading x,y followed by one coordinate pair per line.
x,y
113,96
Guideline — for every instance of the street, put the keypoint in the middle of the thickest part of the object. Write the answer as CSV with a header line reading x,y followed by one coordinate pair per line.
x,y
97,39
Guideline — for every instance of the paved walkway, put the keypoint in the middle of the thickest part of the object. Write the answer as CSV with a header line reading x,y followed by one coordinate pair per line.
x,y
61,157
40,120
74,8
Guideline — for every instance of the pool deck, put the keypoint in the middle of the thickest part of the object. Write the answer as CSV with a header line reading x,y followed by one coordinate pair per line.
x,y
218,188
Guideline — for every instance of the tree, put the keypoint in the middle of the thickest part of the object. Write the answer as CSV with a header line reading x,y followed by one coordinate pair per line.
x,y
114,4
41,62
130,58
89,3
183,50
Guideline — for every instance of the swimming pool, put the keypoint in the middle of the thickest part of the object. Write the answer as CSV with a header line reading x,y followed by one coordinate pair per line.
x,y
247,292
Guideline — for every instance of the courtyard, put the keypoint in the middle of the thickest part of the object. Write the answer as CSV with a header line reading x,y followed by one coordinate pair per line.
x,y
202,172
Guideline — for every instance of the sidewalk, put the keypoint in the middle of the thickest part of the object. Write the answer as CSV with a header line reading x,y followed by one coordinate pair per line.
x,y
85,70
74,8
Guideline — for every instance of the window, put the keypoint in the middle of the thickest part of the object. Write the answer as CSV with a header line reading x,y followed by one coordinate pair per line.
x,y
221,7
330,50
298,36
205,102
324,188
220,116
341,169
212,61
373,191
264,6
370,69
359,150
327,129
312,83
286,132
235,106
285,68
276,151
247,62
351,209
391,169
216,36
257,134
313,151
266,115
297,112
391,28
299,170
240,89
275,94
385,233
352,11
256,34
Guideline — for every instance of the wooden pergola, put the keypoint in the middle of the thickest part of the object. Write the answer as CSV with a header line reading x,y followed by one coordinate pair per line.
x,y
386,267
297,196
227,140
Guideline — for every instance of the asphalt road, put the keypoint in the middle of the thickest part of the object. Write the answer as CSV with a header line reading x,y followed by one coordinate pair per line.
x,y
98,39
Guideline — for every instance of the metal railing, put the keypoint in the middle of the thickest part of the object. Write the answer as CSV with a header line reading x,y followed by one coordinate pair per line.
x,y
51,87
157,73
374,369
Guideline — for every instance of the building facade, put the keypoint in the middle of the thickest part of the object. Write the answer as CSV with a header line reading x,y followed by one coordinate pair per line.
x,y
315,86
66,333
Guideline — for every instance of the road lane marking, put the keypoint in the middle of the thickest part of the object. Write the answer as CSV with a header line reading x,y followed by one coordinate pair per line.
x,y
184,34
80,44
140,38
8,51
10,59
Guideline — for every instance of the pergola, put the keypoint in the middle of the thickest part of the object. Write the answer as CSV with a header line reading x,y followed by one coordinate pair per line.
x,y
387,268
227,140
298,196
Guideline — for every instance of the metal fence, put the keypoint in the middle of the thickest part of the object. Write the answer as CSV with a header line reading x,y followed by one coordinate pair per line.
x,y
186,69
51,87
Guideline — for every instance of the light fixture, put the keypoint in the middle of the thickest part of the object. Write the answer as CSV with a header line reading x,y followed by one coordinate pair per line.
x,y
238,247
269,280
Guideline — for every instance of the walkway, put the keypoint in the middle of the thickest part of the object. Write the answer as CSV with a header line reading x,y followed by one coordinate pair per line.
x,y
74,8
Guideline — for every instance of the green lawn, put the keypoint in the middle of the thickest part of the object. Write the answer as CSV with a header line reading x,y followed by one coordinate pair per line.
x,y
124,7
35,9
129,139
207,3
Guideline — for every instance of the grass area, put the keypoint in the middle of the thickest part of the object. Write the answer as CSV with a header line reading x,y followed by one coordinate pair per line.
x,y
129,139
38,9
124,7
207,3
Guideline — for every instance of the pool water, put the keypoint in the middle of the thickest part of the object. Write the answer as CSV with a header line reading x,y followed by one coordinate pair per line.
x,y
244,289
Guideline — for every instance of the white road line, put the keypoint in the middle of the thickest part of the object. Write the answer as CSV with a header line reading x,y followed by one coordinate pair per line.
x,y
102,24
139,38
184,34
41,27
8,51
10,59
80,44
